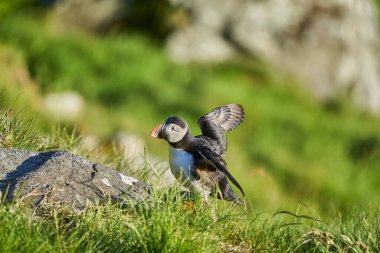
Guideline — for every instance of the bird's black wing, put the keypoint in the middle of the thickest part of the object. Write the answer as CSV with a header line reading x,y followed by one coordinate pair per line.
x,y
219,121
218,163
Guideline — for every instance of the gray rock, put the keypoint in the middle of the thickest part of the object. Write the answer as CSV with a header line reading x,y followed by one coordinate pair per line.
x,y
65,179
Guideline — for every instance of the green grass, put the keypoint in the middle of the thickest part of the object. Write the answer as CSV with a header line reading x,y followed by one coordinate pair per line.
x,y
291,153
169,225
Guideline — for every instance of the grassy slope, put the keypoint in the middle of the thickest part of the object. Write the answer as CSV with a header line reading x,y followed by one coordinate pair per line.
x,y
289,150
169,225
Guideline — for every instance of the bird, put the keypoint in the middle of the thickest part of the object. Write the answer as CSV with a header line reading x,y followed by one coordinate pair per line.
x,y
197,161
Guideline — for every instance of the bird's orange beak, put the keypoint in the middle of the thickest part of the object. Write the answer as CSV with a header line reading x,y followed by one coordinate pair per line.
x,y
157,132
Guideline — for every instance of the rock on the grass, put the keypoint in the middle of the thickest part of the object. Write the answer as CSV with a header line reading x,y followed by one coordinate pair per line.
x,y
64,179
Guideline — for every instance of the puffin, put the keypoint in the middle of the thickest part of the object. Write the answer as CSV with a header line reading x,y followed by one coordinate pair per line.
x,y
197,161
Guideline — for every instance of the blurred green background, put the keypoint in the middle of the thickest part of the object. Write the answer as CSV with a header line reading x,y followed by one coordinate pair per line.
x,y
293,151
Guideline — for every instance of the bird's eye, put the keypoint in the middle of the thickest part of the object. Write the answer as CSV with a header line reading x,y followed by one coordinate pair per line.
x,y
172,128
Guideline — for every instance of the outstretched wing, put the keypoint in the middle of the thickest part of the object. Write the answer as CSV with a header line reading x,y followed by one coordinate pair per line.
x,y
218,163
227,116
219,121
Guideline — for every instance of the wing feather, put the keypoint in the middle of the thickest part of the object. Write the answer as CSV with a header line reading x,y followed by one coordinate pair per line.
x,y
227,116
220,120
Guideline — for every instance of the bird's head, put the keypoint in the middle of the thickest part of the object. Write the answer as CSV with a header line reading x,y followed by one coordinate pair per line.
x,y
173,130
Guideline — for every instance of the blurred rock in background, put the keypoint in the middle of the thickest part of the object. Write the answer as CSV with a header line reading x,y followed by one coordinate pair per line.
x,y
132,145
67,105
154,169
105,15
198,44
331,44
91,15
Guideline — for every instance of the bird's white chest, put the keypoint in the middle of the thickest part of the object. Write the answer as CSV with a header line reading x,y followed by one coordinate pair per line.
x,y
181,165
